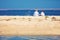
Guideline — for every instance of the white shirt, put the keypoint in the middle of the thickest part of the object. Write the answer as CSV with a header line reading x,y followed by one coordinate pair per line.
x,y
42,14
36,13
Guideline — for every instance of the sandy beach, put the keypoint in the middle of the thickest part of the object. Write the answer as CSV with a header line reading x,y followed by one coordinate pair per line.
x,y
29,25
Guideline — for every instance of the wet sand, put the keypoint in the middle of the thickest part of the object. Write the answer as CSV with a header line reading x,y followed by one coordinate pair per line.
x,y
29,25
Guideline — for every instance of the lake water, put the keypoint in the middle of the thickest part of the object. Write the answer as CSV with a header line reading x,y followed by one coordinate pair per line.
x,y
29,37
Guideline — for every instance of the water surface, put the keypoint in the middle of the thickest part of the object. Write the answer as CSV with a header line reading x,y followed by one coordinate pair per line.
x,y
29,37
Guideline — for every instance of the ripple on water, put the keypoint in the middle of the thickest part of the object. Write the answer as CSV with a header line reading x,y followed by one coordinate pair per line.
x,y
29,37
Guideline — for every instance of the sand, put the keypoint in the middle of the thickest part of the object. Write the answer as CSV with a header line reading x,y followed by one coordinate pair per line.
x,y
29,25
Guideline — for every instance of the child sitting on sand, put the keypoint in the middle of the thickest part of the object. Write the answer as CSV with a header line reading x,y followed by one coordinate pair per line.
x,y
36,13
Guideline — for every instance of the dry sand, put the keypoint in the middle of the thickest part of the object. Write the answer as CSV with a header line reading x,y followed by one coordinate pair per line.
x,y
29,25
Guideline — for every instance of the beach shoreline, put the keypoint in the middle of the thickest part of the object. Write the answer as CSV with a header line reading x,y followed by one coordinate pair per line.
x,y
29,25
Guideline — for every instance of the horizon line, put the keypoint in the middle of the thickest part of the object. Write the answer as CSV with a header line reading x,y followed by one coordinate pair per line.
x,y
29,8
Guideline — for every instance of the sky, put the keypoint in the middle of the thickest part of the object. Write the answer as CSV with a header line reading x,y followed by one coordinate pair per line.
x,y
29,4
